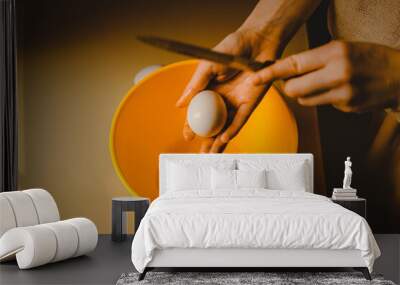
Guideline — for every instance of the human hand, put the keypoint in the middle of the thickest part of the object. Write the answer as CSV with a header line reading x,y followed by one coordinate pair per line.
x,y
240,96
352,76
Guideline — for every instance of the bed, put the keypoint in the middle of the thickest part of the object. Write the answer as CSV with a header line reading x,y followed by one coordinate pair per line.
x,y
246,211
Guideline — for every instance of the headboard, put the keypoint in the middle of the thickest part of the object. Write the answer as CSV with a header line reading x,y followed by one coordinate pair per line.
x,y
164,158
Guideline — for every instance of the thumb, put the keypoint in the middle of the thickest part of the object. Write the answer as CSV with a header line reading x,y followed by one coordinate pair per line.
x,y
199,81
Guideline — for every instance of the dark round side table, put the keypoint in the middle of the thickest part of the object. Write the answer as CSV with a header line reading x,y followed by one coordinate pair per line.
x,y
121,205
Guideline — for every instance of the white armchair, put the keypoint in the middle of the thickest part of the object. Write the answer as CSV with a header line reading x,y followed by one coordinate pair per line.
x,y
31,230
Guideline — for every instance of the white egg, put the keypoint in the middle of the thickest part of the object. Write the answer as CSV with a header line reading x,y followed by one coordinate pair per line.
x,y
145,71
207,113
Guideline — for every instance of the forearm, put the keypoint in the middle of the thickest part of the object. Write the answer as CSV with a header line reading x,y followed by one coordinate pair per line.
x,y
278,20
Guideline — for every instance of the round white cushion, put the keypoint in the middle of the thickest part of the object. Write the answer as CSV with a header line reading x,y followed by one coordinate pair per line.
x,y
26,208
67,239
7,218
33,246
41,244
87,233
46,207
23,208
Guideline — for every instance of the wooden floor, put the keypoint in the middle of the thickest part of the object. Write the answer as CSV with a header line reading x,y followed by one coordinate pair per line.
x,y
111,259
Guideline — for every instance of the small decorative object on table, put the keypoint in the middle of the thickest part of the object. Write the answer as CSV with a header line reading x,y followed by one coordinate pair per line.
x,y
347,196
121,205
345,193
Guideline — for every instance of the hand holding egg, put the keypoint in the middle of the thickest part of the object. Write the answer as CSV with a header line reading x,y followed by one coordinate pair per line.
x,y
207,113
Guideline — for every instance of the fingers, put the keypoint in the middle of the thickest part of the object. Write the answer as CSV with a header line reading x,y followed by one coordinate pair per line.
x,y
218,145
319,80
293,65
206,145
198,82
187,132
336,96
242,115
346,98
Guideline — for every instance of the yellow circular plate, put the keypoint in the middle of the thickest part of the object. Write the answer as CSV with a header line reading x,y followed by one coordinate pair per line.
x,y
147,123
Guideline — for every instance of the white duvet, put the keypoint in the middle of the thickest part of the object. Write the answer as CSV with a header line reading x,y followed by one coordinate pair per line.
x,y
250,219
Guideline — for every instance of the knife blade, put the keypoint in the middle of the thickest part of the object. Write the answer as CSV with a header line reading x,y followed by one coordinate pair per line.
x,y
237,62
233,61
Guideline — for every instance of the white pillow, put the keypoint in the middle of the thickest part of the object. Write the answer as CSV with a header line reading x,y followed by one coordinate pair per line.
x,y
294,179
182,177
223,179
236,179
187,174
282,174
251,178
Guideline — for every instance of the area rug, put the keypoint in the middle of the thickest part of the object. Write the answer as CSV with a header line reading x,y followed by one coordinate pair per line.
x,y
244,278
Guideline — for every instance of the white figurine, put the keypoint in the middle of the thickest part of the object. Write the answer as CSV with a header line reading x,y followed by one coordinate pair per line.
x,y
347,174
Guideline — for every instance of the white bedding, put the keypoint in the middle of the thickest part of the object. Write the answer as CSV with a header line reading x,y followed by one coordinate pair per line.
x,y
251,218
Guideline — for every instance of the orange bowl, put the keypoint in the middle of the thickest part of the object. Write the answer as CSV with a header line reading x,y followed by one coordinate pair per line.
x,y
147,123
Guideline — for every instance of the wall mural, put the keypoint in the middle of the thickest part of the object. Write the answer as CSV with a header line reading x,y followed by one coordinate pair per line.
x,y
148,123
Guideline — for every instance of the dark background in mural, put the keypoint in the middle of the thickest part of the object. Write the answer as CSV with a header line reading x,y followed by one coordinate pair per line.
x,y
74,47
358,136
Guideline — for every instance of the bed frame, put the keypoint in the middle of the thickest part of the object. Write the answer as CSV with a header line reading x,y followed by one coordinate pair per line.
x,y
242,259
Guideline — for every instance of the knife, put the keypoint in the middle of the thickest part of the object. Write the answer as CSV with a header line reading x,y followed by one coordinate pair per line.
x,y
237,62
